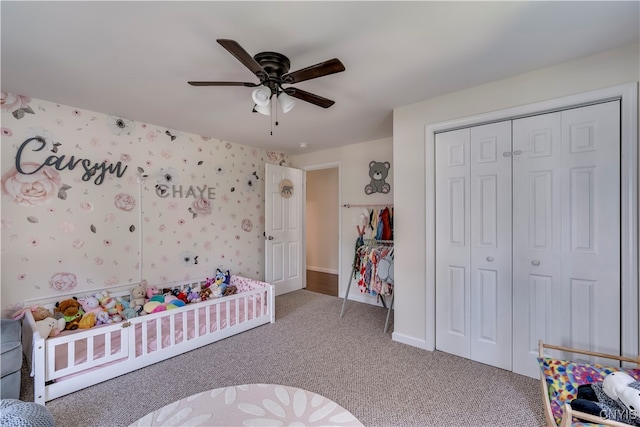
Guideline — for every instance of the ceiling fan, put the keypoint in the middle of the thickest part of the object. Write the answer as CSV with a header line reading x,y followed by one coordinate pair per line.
x,y
272,69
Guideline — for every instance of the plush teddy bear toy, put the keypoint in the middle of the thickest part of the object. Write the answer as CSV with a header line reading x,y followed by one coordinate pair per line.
x,y
72,312
50,327
138,295
616,398
205,294
46,323
37,311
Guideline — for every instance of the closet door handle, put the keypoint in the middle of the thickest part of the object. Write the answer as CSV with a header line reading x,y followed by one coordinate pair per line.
x,y
535,262
517,152
270,238
490,258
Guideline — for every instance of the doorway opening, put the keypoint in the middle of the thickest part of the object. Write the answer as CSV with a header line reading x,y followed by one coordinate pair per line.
x,y
322,230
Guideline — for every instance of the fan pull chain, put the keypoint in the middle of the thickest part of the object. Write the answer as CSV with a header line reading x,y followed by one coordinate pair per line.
x,y
273,107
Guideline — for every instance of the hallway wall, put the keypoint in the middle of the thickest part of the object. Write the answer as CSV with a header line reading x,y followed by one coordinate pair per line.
x,y
322,220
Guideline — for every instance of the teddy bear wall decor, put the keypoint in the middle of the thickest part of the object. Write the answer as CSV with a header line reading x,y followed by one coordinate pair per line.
x,y
378,172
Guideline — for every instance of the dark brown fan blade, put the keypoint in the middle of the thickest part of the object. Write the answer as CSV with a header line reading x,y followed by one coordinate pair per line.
x,y
309,97
223,84
241,55
319,70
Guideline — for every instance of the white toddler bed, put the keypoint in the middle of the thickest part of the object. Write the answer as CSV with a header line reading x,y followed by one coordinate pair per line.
x,y
77,359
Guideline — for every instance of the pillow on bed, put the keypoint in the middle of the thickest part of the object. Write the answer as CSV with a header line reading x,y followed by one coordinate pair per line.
x,y
563,378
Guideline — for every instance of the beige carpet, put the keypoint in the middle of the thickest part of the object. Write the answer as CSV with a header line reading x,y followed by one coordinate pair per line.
x,y
349,360
251,405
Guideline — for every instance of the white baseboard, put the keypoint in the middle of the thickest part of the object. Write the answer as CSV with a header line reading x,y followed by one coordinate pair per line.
x,y
322,270
405,339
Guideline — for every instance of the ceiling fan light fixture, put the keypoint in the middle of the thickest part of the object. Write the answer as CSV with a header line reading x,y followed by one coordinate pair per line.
x,y
286,102
261,96
262,109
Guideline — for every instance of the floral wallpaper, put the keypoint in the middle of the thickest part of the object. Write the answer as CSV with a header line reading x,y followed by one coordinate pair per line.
x,y
92,201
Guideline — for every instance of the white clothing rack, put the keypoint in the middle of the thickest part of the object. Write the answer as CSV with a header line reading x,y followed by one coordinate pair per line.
x,y
377,205
353,270
376,241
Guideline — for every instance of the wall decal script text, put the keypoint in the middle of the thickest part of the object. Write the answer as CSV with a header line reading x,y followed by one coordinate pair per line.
x,y
58,162
176,190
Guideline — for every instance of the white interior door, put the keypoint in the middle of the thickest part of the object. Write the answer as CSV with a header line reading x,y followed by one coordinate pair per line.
x,y
473,243
567,232
453,242
491,286
284,229
537,237
591,227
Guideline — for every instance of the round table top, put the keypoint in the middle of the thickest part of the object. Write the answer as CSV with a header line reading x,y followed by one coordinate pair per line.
x,y
252,405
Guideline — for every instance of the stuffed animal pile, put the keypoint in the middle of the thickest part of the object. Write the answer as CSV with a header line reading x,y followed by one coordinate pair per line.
x,y
101,308
47,324
219,284
616,398
93,310
71,311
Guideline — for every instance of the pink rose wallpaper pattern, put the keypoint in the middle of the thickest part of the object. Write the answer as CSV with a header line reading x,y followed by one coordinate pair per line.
x,y
34,189
92,201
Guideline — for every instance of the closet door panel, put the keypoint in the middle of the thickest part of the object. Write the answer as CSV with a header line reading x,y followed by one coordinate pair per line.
x,y
452,243
491,244
566,231
537,243
591,226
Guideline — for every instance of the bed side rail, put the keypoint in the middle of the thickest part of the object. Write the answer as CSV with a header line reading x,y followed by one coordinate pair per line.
x,y
80,350
33,347
185,326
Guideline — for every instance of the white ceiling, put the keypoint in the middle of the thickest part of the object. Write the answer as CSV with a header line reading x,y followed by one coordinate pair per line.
x,y
133,59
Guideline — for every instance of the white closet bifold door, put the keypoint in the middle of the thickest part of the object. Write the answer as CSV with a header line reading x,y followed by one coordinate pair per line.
x,y
537,238
473,243
566,250
453,243
491,287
